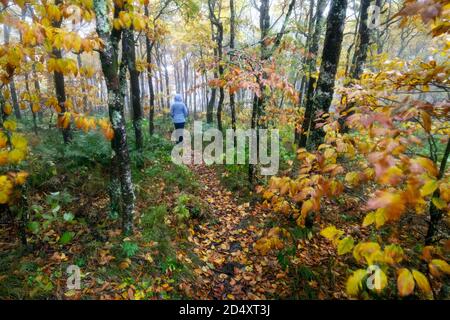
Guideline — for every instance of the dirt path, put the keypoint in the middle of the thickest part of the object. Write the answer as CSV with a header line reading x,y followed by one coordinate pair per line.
x,y
231,268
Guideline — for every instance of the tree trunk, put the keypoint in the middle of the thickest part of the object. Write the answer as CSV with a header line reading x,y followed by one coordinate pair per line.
x,y
12,85
186,78
129,51
258,101
161,92
166,76
363,41
312,61
149,49
232,46
37,88
194,83
218,37
330,60
109,63
27,84
435,213
83,87
58,79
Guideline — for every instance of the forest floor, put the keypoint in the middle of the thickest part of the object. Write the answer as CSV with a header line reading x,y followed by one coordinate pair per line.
x,y
233,269
195,233
194,237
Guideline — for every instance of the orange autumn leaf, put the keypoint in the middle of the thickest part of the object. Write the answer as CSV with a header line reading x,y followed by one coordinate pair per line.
x,y
392,202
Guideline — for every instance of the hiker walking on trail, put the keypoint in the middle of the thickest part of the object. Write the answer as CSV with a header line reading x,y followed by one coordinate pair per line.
x,y
179,113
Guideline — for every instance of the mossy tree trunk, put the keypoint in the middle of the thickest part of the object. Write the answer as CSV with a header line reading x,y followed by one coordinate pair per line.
x,y
115,84
328,67
311,64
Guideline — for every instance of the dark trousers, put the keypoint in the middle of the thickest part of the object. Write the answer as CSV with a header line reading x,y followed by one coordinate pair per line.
x,y
179,126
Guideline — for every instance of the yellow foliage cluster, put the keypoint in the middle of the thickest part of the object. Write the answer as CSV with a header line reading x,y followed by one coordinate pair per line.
x,y
376,156
65,66
13,147
11,58
128,19
273,240
13,150
106,128
371,254
87,123
319,176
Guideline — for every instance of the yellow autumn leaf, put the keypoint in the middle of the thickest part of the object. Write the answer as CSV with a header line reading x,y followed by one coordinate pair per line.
x,y
4,157
391,176
116,24
426,119
76,43
306,207
405,282
19,142
35,107
352,178
6,187
421,163
422,281
345,245
125,19
10,125
15,156
7,109
392,203
138,24
64,120
380,217
438,266
393,254
370,251
428,188
353,285
331,233
369,219
53,12
3,140
20,177
439,203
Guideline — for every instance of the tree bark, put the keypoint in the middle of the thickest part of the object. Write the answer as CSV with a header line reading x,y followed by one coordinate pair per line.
x,y
83,84
232,46
330,60
12,85
149,49
212,99
363,41
266,51
218,37
311,62
129,51
58,79
166,76
435,213
109,63
37,88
